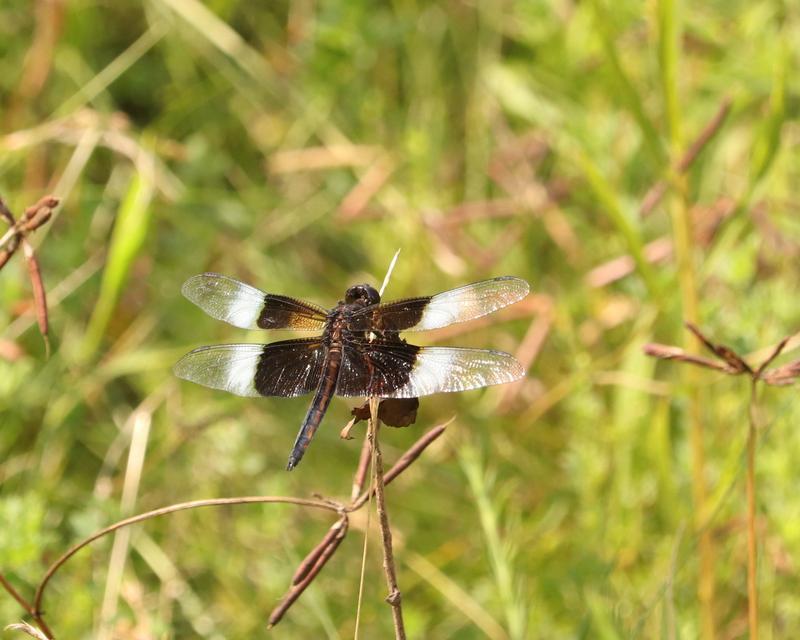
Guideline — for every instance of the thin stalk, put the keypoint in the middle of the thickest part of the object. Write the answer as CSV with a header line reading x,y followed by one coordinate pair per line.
x,y
362,465
752,590
36,615
394,598
194,504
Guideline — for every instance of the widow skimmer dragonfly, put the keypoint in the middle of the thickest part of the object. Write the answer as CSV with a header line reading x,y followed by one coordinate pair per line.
x,y
360,351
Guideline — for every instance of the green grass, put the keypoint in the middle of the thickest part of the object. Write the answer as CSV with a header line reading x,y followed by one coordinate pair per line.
x,y
227,136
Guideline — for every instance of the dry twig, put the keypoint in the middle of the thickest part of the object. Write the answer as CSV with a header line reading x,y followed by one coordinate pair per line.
x,y
17,236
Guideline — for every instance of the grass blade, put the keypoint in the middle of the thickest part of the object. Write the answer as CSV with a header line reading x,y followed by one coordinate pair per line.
x,y
500,554
126,242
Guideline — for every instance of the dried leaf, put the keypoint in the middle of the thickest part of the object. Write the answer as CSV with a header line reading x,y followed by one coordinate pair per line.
x,y
393,412
775,353
782,376
27,628
735,363
667,352
39,297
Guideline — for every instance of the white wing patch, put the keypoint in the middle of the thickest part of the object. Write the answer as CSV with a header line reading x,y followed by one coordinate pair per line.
x,y
229,367
226,299
471,301
445,369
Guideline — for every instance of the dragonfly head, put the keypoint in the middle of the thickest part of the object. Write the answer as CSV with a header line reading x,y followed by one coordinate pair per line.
x,y
362,294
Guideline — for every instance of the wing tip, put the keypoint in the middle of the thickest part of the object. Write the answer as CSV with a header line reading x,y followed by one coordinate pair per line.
x,y
511,365
183,368
178,369
218,373
191,285
518,372
523,287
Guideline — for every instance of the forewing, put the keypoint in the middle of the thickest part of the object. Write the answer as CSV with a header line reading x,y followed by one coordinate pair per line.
x,y
288,368
433,312
399,370
246,307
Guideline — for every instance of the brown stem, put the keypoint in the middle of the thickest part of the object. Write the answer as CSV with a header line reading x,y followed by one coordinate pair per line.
x,y
27,606
394,598
16,595
37,600
360,476
414,452
33,218
752,590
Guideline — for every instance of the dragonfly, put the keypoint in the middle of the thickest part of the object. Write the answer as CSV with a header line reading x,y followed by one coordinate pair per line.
x,y
358,352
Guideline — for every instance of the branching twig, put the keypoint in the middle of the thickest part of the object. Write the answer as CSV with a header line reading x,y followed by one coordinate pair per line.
x,y
323,550
33,218
403,462
729,362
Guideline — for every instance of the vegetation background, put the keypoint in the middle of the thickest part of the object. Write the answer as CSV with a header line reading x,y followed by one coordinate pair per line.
x,y
297,145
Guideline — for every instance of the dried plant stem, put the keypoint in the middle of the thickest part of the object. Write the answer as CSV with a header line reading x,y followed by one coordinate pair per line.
x,y
752,590
36,615
394,598
37,600
15,594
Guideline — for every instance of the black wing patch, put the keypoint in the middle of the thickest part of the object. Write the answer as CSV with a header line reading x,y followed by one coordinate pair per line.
x,y
246,307
395,369
433,312
288,368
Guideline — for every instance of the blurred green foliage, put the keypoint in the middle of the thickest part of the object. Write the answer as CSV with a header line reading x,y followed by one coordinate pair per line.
x,y
296,146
